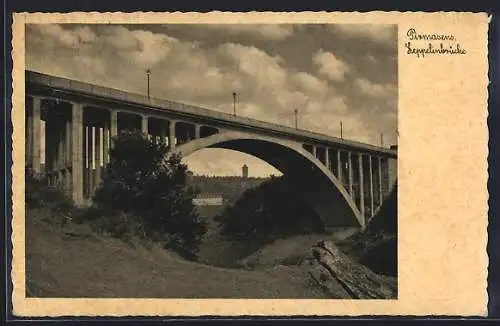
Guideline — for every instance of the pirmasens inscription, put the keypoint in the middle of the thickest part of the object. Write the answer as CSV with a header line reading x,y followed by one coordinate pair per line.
x,y
435,44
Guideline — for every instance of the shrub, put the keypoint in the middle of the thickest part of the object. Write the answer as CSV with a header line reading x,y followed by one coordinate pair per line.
x,y
140,182
38,194
268,212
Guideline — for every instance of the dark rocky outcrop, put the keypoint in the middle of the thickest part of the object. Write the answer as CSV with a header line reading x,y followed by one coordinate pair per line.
x,y
376,246
341,277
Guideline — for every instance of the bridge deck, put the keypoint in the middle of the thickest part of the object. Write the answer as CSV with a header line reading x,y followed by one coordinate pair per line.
x,y
104,93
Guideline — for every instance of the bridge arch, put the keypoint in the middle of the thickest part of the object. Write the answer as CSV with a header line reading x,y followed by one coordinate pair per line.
x,y
313,180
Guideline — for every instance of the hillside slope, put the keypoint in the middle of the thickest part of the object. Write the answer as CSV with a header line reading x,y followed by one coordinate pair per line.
x,y
74,262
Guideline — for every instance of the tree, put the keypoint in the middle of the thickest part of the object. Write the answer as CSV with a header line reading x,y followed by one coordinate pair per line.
x,y
268,212
141,180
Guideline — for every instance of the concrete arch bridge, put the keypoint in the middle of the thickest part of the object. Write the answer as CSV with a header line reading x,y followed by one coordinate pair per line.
x,y
69,125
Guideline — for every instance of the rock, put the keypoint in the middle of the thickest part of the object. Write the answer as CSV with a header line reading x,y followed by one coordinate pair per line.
x,y
341,277
325,280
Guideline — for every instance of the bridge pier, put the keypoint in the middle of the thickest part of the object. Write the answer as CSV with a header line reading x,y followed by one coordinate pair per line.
x,y
106,146
97,158
114,123
370,173
67,154
350,178
361,186
144,125
36,134
327,159
376,182
77,153
339,167
197,130
380,181
385,176
171,134
345,170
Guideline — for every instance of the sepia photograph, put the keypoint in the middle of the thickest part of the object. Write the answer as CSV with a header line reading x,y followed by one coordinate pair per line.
x,y
211,161
249,164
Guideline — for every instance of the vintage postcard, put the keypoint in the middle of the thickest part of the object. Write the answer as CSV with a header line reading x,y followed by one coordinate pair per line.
x,y
309,163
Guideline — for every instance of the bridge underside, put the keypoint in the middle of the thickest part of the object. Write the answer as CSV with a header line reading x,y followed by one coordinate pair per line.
x,y
307,180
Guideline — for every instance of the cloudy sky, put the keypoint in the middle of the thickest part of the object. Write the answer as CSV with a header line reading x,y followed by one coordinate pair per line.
x,y
330,73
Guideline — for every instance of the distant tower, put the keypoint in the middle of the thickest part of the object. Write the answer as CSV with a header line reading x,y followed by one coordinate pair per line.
x,y
244,169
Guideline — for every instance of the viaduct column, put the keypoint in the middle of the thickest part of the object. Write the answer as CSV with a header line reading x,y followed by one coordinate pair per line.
x,y
197,128
144,125
105,144
171,134
61,145
314,151
339,167
67,157
90,160
361,187
385,175
327,158
380,194
97,157
349,159
36,129
114,123
371,183
28,112
77,153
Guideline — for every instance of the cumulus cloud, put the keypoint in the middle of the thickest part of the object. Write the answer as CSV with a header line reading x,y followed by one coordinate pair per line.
x,y
331,66
269,84
310,83
266,69
81,34
382,34
374,90
270,32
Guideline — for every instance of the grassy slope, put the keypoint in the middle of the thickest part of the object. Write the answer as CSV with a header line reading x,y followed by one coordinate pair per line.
x,y
90,265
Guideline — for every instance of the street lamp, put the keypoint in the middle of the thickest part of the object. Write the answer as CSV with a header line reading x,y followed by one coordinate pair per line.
x,y
341,136
381,140
234,103
148,73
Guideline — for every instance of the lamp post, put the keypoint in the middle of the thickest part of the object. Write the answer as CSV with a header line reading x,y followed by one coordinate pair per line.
x,y
296,123
148,73
234,103
341,135
381,140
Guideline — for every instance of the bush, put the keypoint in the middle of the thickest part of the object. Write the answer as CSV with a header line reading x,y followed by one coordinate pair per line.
x,y
150,190
268,212
39,195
